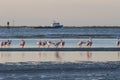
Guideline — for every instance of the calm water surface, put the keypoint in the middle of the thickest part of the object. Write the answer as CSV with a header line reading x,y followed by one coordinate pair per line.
x,y
59,56
59,65
68,42
70,32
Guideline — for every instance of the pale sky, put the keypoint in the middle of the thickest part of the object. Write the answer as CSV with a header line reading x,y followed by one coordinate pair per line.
x,y
68,12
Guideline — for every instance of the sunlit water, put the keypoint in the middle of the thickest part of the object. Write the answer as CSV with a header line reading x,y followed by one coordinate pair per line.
x,y
79,65
60,65
59,57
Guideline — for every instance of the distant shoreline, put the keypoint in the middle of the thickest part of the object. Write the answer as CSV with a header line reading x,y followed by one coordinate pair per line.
x,y
63,27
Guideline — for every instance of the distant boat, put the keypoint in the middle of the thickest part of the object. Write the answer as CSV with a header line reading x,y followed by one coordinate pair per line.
x,y
56,25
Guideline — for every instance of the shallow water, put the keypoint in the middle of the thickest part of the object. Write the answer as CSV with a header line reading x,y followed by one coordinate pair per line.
x,y
85,65
68,42
59,65
59,56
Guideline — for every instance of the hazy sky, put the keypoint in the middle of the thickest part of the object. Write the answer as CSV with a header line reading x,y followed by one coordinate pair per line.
x,y
68,12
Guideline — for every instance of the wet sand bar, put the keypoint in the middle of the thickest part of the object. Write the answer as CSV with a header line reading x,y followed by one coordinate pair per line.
x,y
63,49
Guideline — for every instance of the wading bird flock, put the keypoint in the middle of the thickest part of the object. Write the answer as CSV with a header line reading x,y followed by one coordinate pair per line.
x,y
5,43
88,43
38,43
48,43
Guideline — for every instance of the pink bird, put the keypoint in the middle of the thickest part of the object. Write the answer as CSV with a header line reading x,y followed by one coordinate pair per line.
x,y
48,43
22,43
62,43
38,43
80,43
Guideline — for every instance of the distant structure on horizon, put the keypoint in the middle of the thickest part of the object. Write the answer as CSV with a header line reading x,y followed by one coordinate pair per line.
x,y
56,25
8,23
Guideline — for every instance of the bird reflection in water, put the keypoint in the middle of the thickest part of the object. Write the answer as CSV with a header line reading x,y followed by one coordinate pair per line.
x,y
118,54
1,54
57,55
39,54
88,55
23,55
7,55
81,54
